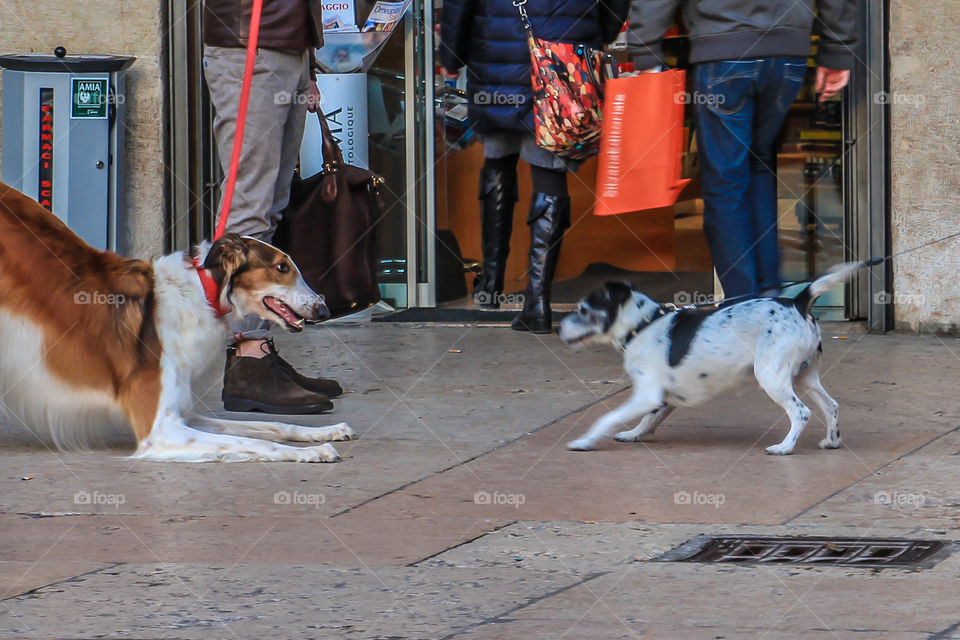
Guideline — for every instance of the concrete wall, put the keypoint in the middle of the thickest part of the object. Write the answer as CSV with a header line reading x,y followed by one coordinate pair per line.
x,y
925,162
121,27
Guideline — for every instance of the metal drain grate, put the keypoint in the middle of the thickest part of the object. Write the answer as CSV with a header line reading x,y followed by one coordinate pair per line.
x,y
850,552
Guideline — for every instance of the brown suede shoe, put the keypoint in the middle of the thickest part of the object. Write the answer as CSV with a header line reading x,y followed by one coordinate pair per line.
x,y
260,384
326,386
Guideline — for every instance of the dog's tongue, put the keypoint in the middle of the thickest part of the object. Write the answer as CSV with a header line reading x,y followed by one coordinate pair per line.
x,y
281,310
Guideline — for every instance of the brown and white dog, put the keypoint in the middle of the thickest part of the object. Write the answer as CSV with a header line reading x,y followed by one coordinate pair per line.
x,y
89,338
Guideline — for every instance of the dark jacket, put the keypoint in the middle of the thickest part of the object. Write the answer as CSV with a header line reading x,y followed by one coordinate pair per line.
x,y
291,25
746,29
488,37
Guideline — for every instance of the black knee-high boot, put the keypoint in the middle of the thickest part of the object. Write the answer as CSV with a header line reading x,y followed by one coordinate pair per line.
x,y
549,218
498,195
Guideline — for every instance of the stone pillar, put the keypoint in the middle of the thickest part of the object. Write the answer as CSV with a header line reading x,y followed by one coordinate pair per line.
x,y
925,162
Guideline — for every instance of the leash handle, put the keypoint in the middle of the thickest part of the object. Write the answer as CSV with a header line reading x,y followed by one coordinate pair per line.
x,y
241,119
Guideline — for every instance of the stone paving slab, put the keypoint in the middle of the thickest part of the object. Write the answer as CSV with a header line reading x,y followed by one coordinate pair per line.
x,y
632,629
18,577
677,476
581,549
287,540
447,412
685,601
267,601
922,489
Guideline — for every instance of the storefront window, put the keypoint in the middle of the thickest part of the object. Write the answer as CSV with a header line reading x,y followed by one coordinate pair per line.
x,y
663,251
811,193
388,157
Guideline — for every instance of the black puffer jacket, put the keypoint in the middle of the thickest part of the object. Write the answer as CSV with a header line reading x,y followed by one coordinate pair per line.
x,y
487,36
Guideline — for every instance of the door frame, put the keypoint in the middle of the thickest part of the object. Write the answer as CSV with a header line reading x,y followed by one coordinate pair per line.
x,y
191,177
421,164
867,170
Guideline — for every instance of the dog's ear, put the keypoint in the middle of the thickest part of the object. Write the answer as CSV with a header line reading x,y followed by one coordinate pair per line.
x,y
619,291
229,253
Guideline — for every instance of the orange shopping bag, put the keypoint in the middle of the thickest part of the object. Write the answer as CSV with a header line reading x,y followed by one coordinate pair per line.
x,y
641,143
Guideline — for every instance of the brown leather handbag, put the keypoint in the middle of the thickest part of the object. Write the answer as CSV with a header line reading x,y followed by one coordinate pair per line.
x,y
328,230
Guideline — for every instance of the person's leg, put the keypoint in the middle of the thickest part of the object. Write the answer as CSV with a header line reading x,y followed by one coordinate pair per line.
x,y
777,87
277,76
552,182
260,155
724,120
276,79
257,346
498,195
548,219
290,145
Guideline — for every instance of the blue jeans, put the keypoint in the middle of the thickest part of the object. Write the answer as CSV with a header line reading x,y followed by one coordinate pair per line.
x,y
740,106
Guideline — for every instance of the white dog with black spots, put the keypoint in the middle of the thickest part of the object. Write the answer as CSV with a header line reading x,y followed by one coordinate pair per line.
x,y
685,358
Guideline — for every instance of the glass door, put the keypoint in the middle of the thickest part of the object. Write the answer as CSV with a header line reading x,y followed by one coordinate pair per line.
x,y
811,197
374,100
400,133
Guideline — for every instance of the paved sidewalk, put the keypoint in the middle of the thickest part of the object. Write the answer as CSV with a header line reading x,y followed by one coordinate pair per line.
x,y
459,514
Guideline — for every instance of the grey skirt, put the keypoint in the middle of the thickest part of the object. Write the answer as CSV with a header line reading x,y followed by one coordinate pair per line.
x,y
507,143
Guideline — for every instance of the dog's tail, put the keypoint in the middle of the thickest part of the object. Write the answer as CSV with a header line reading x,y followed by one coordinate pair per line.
x,y
834,276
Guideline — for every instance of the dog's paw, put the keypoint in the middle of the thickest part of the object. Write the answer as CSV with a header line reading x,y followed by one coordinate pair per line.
x,y
827,443
322,453
581,444
335,433
779,450
342,431
627,436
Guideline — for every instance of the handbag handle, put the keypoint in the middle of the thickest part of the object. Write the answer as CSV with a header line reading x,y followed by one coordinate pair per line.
x,y
332,159
332,155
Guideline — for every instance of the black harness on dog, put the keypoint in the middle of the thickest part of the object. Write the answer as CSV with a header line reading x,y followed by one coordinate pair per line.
x,y
662,311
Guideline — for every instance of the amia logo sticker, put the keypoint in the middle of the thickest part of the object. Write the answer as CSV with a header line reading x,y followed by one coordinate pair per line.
x,y
89,98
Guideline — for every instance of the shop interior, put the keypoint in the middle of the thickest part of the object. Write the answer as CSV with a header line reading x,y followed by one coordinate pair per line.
x,y
663,251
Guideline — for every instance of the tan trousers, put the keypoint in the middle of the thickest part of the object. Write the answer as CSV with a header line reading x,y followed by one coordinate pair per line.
x,y
272,135
271,140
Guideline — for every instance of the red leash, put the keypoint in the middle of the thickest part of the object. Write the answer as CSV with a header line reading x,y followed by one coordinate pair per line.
x,y
241,118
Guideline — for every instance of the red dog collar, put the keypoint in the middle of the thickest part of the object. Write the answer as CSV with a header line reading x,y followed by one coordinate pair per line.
x,y
210,289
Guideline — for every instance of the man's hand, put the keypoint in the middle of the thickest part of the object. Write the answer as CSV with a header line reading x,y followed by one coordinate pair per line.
x,y
313,98
449,75
831,81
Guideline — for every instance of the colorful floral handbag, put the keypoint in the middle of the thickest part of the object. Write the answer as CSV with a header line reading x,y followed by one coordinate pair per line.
x,y
567,94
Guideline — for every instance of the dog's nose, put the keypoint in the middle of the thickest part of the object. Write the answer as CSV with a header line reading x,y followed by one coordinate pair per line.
x,y
320,311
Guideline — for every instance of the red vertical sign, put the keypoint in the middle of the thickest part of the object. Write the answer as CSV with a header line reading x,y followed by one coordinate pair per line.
x,y
45,171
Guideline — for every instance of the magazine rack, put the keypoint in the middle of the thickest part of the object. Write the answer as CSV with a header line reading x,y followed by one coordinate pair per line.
x,y
345,58
350,52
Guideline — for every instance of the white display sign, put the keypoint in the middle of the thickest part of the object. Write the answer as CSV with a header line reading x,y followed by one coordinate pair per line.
x,y
344,103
